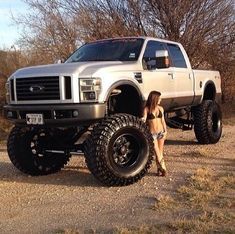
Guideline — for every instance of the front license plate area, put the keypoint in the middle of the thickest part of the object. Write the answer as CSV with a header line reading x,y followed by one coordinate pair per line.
x,y
34,119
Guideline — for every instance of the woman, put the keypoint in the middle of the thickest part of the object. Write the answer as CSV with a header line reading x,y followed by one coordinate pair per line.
x,y
154,115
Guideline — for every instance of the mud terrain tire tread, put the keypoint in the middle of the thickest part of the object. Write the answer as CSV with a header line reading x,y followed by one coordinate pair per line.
x,y
96,149
21,157
203,126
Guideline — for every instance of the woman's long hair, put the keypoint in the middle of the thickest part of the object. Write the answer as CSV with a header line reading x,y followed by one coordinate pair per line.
x,y
152,100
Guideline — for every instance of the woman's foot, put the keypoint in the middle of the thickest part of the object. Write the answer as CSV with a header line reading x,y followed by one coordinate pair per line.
x,y
161,172
161,168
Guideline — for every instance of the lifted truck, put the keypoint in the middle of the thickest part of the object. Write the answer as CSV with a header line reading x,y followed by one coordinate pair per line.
x,y
101,89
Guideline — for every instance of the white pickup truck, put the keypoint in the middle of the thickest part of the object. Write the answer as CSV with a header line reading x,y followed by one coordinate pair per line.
x,y
101,89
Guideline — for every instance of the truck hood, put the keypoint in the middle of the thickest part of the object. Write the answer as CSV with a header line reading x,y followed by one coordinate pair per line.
x,y
82,69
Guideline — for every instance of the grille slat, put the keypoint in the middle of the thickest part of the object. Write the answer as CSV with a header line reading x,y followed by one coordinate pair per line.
x,y
27,86
25,80
26,98
38,94
37,82
38,88
27,89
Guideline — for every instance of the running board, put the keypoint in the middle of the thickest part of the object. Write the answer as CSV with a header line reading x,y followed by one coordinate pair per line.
x,y
179,123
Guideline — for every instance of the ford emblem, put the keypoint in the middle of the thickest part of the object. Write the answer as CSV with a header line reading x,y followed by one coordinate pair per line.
x,y
36,89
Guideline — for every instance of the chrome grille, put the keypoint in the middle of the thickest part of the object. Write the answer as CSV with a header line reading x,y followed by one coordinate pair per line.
x,y
38,88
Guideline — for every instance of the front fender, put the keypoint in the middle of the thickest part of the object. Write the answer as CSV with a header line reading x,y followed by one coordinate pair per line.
x,y
123,82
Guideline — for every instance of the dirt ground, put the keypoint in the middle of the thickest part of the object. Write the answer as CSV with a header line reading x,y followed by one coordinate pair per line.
x,y
73,201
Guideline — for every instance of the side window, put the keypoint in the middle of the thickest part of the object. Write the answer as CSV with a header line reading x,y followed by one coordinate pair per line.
x,y
152,47
149,61
176,56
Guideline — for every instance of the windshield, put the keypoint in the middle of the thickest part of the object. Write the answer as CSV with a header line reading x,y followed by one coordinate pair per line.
x,y
127,49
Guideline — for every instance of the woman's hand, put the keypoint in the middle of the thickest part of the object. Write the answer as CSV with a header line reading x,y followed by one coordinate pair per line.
x,y
143,119
164,134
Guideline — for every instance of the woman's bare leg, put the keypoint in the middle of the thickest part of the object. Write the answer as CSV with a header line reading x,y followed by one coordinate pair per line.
x,y
161,146
157,152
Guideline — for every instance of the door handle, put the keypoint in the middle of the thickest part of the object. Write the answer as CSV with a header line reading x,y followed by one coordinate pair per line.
x,y
171,75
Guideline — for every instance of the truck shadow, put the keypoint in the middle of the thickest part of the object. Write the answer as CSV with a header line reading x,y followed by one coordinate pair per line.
x,y
69,176
180,142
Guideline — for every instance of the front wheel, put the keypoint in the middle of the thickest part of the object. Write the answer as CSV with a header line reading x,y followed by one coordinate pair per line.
x,y
207,122
27,150
120,150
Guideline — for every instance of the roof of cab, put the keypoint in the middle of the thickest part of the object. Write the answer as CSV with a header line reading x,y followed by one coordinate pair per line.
x,y
137,37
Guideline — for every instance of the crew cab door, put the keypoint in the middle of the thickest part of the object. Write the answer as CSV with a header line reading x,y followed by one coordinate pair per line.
x,y
183,78
160,79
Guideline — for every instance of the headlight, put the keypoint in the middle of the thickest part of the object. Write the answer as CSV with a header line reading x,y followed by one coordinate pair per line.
x,y
90,89
7,87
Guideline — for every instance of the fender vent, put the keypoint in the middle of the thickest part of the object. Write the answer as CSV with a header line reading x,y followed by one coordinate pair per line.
x,y
138,77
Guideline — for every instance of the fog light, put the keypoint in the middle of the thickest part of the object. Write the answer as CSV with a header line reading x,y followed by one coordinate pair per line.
x,y
89,96
92,95
75,113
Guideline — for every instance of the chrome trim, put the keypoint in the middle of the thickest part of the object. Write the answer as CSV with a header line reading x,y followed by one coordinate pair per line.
x,y
62,99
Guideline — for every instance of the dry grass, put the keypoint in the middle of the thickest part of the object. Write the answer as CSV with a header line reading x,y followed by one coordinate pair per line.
x,y
4,124
141,230
200,188
164,202
228,109
205,204
229,121
211,198
5,127
204,187
210,221
199,153
68,231
183,225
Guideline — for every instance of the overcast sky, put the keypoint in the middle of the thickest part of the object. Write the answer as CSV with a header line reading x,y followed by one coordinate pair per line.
x,y
9,32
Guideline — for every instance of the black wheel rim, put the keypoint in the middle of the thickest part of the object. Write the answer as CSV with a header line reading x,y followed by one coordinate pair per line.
x,y
37,144
125,150
128,152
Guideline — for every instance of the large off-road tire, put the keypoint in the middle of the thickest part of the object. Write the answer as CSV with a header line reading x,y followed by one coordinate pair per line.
x,y
207,122
119,150
27,151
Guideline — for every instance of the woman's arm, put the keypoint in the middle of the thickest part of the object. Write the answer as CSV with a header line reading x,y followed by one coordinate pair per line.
x,y
145,112
163,121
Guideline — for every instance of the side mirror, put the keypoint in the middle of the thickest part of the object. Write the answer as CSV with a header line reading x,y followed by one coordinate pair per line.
x,y
162,59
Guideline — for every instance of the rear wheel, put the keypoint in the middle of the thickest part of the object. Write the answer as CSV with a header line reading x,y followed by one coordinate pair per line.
x,y
119,150
207,122
27,150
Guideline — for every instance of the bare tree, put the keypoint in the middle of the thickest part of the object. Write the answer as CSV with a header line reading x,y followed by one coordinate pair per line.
x,y
57,26
103,19
10,60
48,30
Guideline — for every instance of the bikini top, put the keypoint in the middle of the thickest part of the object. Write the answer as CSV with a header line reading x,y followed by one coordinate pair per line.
x,y
152,116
